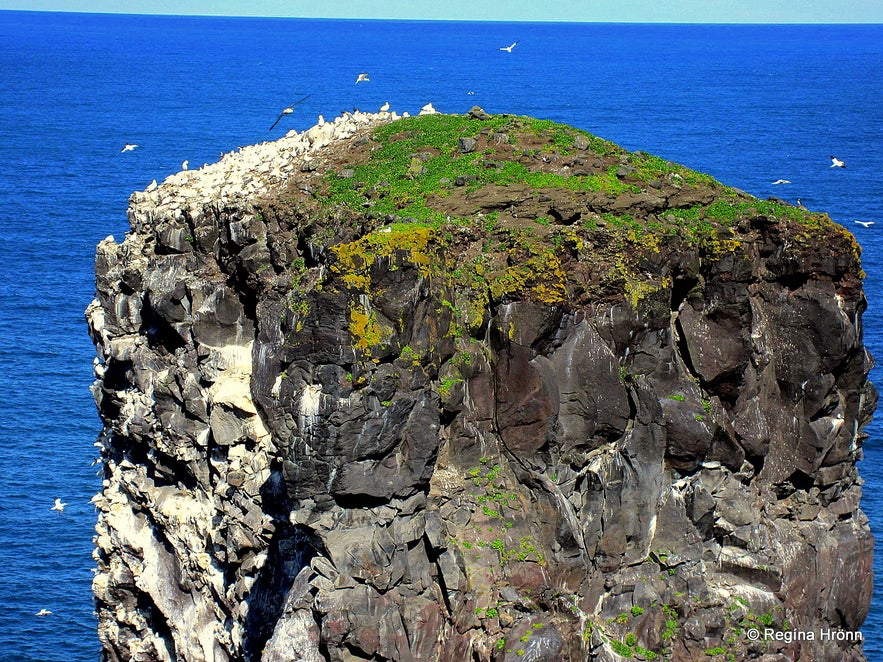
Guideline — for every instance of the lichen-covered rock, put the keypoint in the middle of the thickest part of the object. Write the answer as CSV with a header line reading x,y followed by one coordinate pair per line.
x,y
475,388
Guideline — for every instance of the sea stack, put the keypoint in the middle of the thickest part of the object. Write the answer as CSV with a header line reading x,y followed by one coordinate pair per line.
x,y
476,387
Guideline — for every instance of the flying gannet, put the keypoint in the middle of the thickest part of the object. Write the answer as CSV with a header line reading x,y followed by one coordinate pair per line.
x,y
363,78
865,224
509,48
288,111
837,163
59,506
128,147
782,181
43,612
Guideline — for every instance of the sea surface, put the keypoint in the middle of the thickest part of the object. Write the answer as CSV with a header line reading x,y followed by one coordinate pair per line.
x,y
747,104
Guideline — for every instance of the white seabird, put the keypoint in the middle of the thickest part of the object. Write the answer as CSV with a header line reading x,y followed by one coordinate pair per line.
x,y
288,111
509,48
385,107
865,224
43,612
184,164
837,163
363,78
428,109
782,181
59,506
128,147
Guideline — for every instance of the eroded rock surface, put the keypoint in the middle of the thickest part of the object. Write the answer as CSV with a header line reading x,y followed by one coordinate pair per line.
x,y
601,407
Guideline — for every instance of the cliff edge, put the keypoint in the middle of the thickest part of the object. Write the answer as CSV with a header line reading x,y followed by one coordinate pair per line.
x,y
476,387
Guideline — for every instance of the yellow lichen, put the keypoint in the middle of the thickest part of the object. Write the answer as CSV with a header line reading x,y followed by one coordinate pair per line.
x,y
367,332
540,277
400,243
637,289
646,240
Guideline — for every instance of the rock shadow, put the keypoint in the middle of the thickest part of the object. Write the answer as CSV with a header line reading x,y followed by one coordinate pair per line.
x,y
288,553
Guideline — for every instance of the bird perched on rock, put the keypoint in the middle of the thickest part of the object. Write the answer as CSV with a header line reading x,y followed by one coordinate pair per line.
x,y
428,109
363,78
184,164
288,111
385,107
837,163
128,147
59,506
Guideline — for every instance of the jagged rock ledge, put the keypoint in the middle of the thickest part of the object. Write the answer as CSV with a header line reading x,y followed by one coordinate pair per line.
x,y
475,387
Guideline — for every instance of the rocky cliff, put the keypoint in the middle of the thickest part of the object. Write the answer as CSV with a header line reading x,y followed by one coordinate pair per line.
x,y
448,388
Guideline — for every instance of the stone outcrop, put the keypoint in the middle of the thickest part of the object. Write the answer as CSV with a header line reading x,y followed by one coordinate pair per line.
x,y
476,388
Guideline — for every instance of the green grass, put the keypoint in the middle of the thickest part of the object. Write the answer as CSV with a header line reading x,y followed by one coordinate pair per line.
x,y
418,157
650,167
396,180
621,649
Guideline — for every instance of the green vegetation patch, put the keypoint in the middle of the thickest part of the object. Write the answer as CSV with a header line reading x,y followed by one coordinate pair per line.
x,y
649,167
416,157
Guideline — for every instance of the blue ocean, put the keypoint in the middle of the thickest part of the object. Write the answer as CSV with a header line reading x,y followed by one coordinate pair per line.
x,y
747,104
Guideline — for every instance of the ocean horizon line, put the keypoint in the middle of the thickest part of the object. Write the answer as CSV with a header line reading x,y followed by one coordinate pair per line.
x,y
443,20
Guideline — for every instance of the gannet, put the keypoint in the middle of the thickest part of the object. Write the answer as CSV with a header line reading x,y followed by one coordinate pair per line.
x,y
363,78
128,147
43,612
865,224
384,107
288,111
428,109
59,506
782,181
184,164
837,163
509,48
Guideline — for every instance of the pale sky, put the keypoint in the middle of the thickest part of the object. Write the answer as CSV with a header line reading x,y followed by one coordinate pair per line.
x,y
643,11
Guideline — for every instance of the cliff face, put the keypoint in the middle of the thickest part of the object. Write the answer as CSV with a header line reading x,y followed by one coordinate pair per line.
x,y
476,388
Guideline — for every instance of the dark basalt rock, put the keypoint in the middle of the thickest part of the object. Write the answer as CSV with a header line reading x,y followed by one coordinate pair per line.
x,y
605,408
